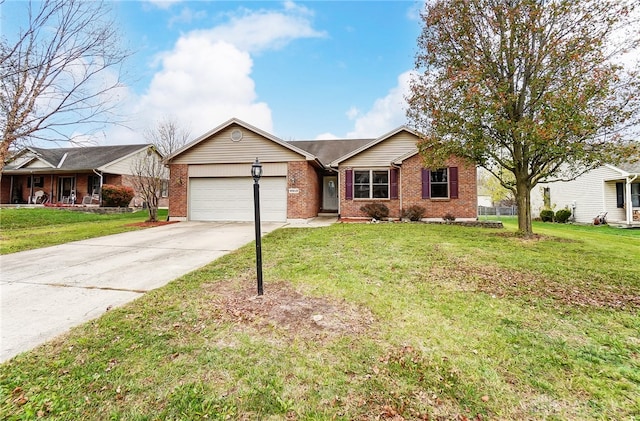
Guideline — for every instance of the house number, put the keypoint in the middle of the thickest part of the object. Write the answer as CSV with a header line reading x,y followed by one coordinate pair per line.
x,y
294,191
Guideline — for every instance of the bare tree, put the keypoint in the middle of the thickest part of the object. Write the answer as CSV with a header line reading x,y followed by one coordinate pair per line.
x,y
150,174
59,74
531,90
168,135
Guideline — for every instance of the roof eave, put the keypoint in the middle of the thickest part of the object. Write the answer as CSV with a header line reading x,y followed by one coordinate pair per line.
x,y
308,156
337,162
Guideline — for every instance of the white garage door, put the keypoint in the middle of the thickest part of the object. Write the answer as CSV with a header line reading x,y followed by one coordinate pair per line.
x,y
231,199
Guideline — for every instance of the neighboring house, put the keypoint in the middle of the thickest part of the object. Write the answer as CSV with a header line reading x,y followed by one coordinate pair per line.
x,y
58,175
611,189
210,177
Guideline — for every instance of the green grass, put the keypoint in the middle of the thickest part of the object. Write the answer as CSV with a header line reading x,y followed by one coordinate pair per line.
x,y
28,228
423,320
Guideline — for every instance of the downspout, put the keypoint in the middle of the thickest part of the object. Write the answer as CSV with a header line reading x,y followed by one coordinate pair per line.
x,y
99,174
339,187
399,187
629,203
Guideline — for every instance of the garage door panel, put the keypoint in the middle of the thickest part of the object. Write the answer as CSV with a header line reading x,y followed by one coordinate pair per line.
x,y
231,199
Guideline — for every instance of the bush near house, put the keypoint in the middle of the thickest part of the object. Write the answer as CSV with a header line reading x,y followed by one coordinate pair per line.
x,y
562,216
413,213
116,196
375,210
546,215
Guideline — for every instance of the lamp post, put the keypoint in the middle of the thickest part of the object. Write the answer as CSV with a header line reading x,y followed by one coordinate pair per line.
x,y
256,173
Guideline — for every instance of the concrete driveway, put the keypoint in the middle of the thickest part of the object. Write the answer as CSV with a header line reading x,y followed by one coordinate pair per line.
x,y
45,292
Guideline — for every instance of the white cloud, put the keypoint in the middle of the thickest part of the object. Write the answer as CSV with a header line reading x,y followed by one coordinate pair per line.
x,y
326,136
352,113
386,114
264,30
187,15
204,83
163,4
206,78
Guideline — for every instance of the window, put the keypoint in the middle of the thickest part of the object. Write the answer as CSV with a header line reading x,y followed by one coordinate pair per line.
x,y
93,184
371,184
440,183
37,181
635,195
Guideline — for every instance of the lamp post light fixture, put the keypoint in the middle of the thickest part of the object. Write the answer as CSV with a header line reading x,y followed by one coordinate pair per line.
x,y
256,173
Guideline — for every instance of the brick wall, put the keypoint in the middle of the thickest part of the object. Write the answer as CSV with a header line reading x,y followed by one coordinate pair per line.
x,y
465,206
410,193
351,208
178,190
306,203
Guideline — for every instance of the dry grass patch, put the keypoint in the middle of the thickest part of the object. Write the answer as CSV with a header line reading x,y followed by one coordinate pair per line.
x,y
505,283
281,307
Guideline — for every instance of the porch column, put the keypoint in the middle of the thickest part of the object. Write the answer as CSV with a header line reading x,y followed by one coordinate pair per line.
x,y
31,189
628,207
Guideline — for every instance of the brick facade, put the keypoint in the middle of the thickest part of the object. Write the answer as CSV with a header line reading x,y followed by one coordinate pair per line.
x,y
178,180
49,185
303,190
410,193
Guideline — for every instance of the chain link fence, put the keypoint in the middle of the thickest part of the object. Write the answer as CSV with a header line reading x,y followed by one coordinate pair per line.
x,y
497,210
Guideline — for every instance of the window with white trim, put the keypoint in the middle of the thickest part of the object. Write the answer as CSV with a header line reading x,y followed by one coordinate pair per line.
x,y
371,184
440,183
635,195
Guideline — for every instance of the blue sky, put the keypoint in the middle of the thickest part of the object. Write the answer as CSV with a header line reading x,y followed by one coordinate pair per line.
x,y
299,70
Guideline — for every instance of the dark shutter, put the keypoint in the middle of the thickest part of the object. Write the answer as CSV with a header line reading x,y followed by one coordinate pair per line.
x,y
393,183
426,181
348,184
453,182
620,195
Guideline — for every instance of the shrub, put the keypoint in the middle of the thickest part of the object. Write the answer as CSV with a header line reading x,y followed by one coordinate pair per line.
x,y
116,196
563,215
375,210
413,213
449,217
546,215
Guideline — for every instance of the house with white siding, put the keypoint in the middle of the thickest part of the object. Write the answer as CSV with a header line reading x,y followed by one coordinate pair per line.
x,y
210,178
608,189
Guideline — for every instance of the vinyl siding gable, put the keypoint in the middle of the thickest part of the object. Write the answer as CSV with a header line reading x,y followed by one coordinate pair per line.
x,y
382,154
125,166
220,149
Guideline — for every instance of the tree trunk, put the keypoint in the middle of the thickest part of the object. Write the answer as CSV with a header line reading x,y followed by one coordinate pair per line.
x,y
523,198
152,205
153,214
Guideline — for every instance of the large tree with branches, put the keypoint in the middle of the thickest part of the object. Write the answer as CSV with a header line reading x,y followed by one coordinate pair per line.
x,y
59,73
531,90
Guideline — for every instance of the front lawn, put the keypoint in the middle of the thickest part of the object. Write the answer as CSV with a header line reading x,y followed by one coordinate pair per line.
x,y
32,228
363,321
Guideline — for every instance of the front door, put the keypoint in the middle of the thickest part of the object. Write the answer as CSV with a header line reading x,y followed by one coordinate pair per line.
x,y
330,193
66,185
